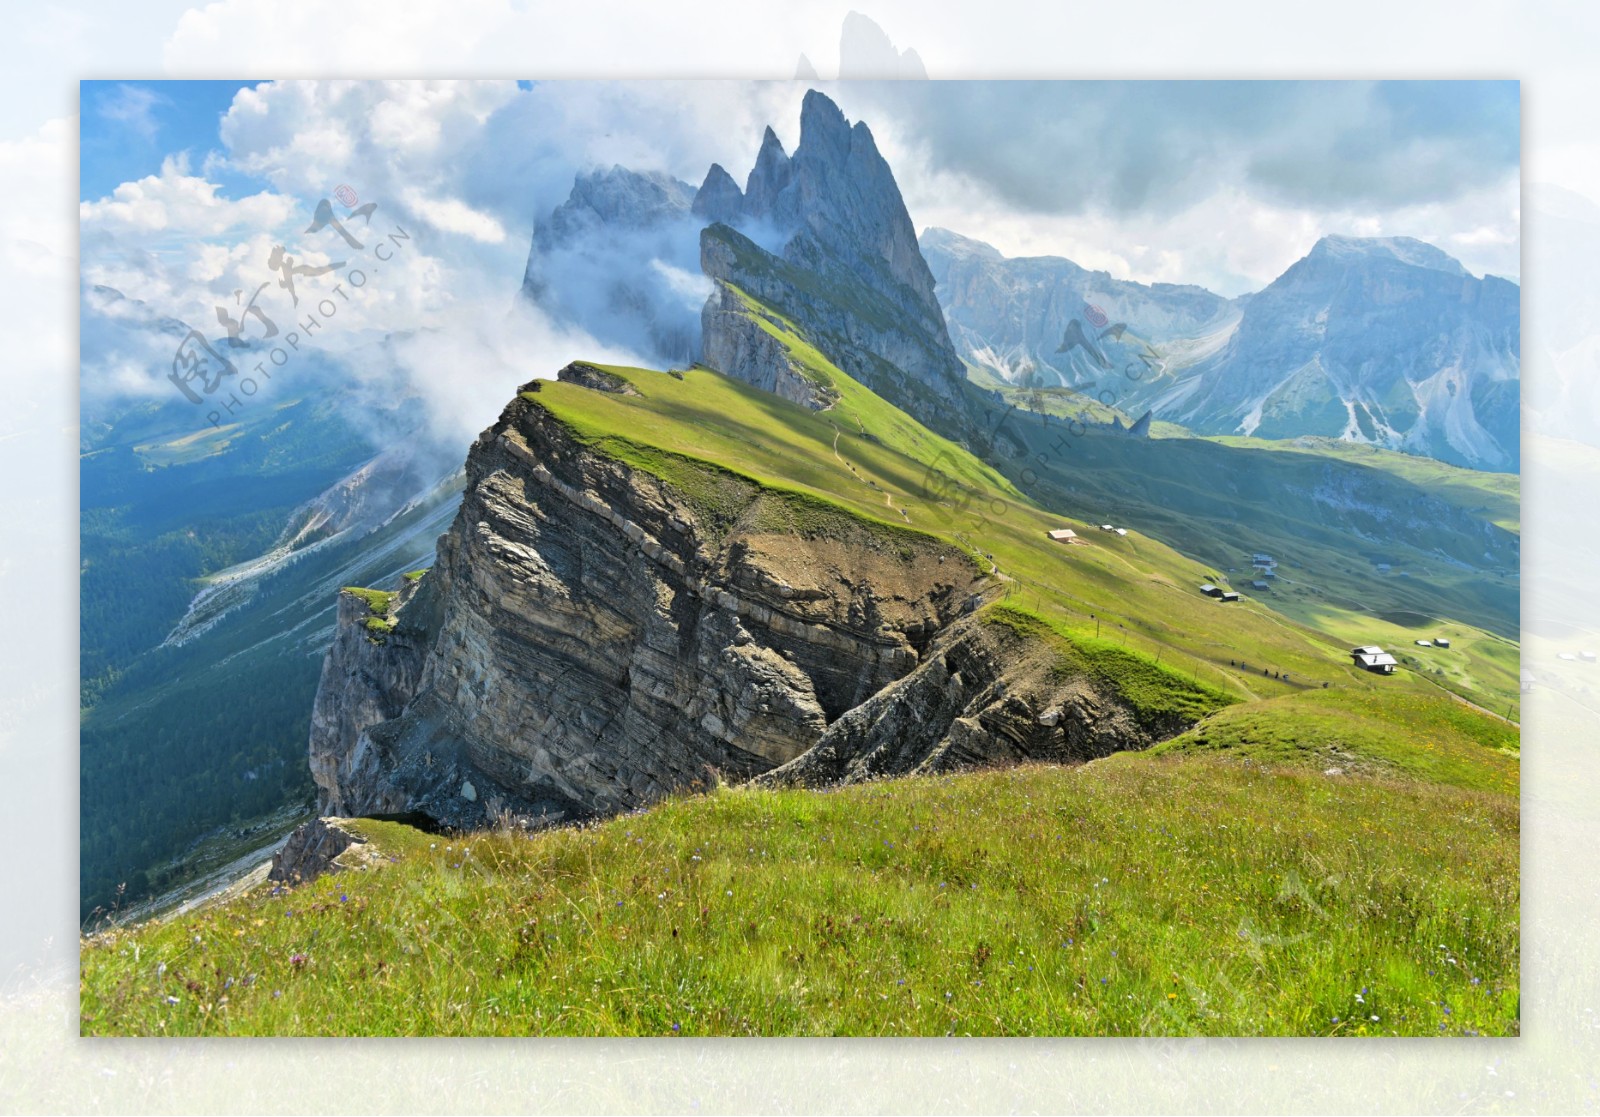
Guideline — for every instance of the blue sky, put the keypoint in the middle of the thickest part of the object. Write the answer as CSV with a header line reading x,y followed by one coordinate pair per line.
x,y
126,128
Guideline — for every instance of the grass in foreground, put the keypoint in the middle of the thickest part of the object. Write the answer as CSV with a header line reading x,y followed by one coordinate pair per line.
x,y
1137,895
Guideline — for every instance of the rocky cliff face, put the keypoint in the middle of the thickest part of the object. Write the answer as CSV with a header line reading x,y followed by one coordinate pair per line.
x,y
369,674
982,695
735,340
593,641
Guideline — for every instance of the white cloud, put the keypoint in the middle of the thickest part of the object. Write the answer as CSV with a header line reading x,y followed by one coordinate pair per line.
x,y
180,203
451,215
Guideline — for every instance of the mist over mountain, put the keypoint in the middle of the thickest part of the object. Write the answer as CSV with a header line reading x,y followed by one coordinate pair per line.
x,y
619,258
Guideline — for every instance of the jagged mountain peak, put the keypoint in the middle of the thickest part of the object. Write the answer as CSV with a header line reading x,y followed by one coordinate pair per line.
x,y
719,197
837,211
768,178
822,124
1404,250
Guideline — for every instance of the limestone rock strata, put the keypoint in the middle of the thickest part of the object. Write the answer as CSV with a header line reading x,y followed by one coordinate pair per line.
x,y
982,695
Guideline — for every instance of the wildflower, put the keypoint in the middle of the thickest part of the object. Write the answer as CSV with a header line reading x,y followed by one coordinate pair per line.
x,y
343,898
297,959
171,1000
675,1027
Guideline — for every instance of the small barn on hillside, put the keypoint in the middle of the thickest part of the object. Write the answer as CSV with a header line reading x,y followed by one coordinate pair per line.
x,y
1064,535
1373,658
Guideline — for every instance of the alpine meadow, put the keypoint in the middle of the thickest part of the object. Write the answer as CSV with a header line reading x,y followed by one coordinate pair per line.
x,y
527,593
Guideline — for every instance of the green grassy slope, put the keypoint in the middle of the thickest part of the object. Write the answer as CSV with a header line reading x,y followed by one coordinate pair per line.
x,y
1135,896
1328,520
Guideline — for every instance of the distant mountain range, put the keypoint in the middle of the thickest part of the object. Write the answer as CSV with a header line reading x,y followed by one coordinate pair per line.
x,y
1388,341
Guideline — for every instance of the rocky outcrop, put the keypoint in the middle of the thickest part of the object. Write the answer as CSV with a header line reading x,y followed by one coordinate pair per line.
x,y
983,695
601,640
380,647
736,344
323,845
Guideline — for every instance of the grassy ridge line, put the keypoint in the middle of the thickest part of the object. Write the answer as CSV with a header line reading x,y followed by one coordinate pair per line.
x,y
704,484
706,425
1197,666
1136,895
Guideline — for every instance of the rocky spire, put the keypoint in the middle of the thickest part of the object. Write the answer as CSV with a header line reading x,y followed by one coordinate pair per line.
x,y
719,197
769,178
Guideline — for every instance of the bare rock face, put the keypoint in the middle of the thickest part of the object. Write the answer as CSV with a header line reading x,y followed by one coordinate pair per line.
x,y
323,845
736,344
594,642
368,676
983,695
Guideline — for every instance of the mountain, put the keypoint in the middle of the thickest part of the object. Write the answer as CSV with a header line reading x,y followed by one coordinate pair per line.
x,y
1388,341
848,273
1385,340
619,259
643,262
612,622
1010,315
